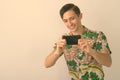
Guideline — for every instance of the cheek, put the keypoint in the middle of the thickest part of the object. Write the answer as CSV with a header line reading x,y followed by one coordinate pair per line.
x,y
66,24
74,21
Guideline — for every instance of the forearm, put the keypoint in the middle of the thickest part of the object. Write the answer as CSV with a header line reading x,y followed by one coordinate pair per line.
x,y
102,58
51,59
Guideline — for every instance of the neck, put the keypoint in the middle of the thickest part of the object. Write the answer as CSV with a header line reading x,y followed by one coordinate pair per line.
x,y
78,31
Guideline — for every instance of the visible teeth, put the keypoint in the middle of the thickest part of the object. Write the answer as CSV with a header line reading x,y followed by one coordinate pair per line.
x,y
71,27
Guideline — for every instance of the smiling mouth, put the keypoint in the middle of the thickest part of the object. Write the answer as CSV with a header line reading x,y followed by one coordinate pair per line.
x,y
72,27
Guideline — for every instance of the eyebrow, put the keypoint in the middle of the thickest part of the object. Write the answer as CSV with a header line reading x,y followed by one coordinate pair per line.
x,y
69,17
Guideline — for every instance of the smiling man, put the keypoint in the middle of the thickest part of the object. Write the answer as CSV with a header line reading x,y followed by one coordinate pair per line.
x,y
86,58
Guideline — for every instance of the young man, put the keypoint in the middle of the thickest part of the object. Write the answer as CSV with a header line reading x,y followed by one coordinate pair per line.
x,y
85,59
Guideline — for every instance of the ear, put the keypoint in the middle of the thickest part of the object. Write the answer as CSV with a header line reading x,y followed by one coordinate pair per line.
x,y
80,16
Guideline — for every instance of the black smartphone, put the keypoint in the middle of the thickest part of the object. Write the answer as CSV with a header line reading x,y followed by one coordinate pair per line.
x,y
72,39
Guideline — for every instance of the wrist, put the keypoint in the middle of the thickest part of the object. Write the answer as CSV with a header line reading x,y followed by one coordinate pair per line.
x,y
57,52
93,52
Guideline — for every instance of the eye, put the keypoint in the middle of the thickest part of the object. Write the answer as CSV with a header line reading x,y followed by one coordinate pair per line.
x,y
64,21
72,18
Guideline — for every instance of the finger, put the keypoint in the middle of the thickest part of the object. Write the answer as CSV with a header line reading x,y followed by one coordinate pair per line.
x,y
81,43
81,40
64,34
62,41
83,46
62,45
89,41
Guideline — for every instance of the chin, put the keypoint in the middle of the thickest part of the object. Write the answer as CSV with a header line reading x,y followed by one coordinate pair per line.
x,y
74,30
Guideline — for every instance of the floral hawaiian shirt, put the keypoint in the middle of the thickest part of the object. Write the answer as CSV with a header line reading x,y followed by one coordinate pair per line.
x,y
81,65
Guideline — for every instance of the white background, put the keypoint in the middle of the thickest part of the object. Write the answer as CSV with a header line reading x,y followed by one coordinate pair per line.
x,y
29,29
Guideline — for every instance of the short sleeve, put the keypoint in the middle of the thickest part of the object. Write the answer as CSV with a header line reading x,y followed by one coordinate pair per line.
x,y
55,46
101,42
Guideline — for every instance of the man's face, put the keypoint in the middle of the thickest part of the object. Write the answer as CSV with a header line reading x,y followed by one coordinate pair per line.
x,y
71,20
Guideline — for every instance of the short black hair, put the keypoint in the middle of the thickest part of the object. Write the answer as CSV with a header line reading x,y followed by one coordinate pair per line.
x,y
69,6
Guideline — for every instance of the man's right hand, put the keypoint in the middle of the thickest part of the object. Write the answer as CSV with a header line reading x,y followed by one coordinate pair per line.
x,y
61,45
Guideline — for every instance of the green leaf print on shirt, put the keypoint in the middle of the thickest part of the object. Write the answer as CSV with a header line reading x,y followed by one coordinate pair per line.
x,y
82,55
85,76
108,48
94,76
97,46
68,46
90,34
72,63
91,75
103,36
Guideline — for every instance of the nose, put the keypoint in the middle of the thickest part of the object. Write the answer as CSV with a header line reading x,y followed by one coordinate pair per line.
x,y
69,23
